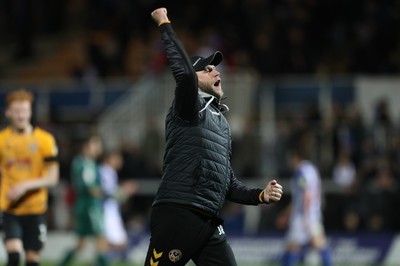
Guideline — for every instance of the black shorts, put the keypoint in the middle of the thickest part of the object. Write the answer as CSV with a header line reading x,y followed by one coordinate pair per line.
x,y
31,229
179,234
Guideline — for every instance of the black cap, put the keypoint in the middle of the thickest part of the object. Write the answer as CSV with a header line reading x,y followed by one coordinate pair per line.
x,y
199,62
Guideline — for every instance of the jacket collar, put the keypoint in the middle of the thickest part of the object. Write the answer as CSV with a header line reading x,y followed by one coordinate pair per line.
x,y
223,108
207,96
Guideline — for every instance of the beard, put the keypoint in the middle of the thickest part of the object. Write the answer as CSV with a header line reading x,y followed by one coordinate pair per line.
x,y
210,90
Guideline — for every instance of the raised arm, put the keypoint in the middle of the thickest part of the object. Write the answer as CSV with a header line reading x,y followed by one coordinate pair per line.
x,y
186,92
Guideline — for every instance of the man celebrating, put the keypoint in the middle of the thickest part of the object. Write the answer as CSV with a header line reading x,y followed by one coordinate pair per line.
x,y
28,163
198,177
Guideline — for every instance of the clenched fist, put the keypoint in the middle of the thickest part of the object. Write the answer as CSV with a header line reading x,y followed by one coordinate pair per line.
x,y
160,15
273,192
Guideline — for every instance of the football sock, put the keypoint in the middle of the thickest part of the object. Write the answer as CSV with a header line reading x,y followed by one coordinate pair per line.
x,y
101,260
290,258
69,256
32,263
13,258
326,257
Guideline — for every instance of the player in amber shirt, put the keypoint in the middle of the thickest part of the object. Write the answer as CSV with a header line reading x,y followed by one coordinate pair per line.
x,y
28,165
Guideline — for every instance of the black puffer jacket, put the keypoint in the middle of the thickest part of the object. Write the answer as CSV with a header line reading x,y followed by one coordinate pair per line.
x,y
197,170
196,162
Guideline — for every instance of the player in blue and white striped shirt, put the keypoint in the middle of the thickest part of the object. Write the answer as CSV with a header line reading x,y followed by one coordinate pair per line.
x,y
305,224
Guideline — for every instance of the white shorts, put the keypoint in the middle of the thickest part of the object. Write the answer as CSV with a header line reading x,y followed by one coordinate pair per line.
x,y
301,233
115,232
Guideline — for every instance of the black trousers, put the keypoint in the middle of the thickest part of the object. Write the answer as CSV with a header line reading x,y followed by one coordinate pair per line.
x,y
179,234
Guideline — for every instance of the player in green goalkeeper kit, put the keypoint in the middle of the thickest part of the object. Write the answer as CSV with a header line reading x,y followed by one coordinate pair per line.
x,y
88,208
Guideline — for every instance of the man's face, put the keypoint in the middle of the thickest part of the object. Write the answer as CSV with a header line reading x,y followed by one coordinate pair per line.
x,y
117,161
19,113
95,147
210,81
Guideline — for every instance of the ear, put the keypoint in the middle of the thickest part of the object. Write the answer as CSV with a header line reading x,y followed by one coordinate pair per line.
x,y
7,113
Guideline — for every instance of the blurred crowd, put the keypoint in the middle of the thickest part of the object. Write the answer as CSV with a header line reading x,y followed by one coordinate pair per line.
x,y
362,159
273,37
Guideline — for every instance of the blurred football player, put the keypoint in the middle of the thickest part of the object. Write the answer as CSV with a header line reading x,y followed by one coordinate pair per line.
x,y
305,222
29,166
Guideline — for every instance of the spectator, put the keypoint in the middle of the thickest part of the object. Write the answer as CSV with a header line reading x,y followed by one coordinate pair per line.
x,y
344,171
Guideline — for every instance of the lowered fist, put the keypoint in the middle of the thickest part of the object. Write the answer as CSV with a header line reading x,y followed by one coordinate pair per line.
x,y
273,192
